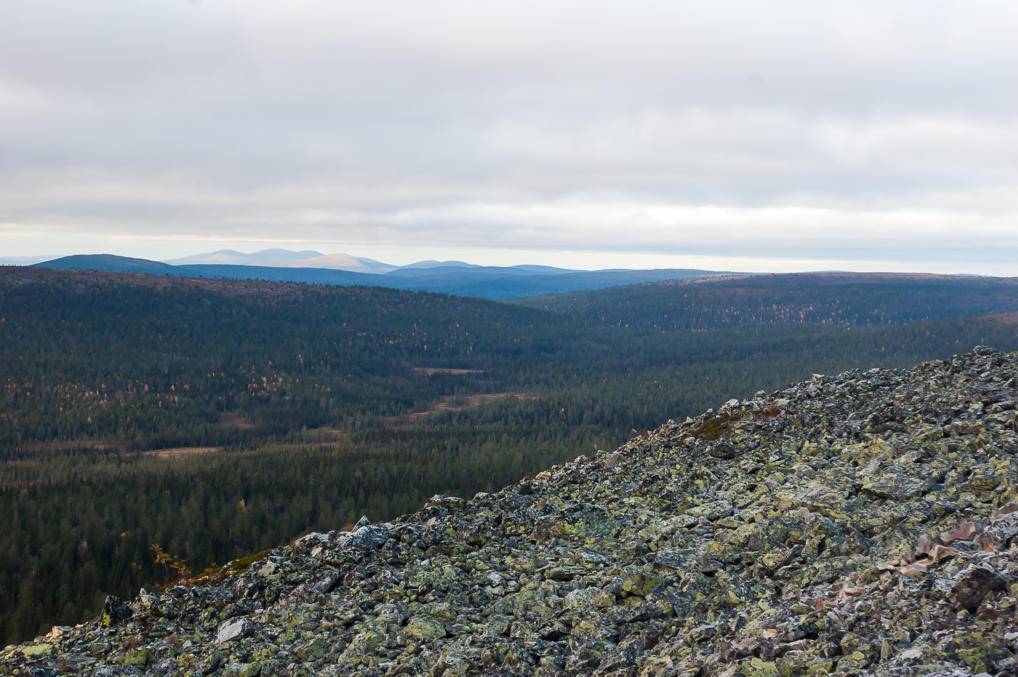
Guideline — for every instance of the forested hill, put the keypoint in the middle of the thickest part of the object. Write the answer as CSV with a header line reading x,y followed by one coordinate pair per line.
x,y
216,418
157,361
822,298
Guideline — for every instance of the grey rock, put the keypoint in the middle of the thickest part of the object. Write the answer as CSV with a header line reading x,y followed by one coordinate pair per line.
x,y
974,584
368,537
115,611
325,583
235,628
1003,531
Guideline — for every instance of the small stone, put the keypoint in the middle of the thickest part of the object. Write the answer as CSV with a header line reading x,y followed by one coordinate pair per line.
x,y
115,611
973,585
939,552
704,633
722,450
423,628
368,537
963,532
440,501
914,571
325,583
235,628
1003,530
57,631
638,582
312,539
677,558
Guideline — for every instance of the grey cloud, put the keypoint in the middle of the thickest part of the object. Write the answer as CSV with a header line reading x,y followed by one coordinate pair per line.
x,y
443,120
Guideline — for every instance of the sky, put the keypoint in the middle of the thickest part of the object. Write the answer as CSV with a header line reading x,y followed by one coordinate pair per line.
x,y
767,136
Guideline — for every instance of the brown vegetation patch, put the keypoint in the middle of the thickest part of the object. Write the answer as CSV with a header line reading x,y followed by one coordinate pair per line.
x,y
180,452
445,370
335,433
714,427
236,419
455,403
1010,319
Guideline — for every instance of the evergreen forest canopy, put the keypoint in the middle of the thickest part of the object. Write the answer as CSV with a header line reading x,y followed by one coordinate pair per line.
x,y
813,298
215,418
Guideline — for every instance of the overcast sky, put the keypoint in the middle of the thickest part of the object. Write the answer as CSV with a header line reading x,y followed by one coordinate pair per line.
x,y
750,136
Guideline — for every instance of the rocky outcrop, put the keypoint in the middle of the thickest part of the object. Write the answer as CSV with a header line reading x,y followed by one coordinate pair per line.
x,y
865,523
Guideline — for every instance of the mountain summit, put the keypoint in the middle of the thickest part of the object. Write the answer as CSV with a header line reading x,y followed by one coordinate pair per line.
x,y
864,523
284,258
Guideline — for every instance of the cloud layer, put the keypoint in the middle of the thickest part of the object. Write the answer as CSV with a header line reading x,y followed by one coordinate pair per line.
x,y
788,129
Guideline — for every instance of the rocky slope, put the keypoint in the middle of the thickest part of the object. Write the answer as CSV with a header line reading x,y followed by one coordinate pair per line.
x,y
864,523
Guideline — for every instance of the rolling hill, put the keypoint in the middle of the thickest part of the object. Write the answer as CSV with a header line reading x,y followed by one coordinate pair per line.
x,y
852,299
489,282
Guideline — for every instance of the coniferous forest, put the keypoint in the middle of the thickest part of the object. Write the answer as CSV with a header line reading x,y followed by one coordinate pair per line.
x,y
216,418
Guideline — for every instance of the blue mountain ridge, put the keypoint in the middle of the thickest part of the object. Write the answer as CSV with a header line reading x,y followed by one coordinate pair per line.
x,y
488,282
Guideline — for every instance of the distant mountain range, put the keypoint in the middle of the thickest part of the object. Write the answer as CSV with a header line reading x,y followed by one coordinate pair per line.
x,y
447,277
284,258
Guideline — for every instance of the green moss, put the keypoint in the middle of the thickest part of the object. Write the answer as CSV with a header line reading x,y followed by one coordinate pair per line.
x,y
422,628
37,650
640,583
138,657
241,565
315,649
761,668
980,650
714,427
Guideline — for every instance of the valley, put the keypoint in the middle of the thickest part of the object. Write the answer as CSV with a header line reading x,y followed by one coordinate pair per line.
x,y
215,418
